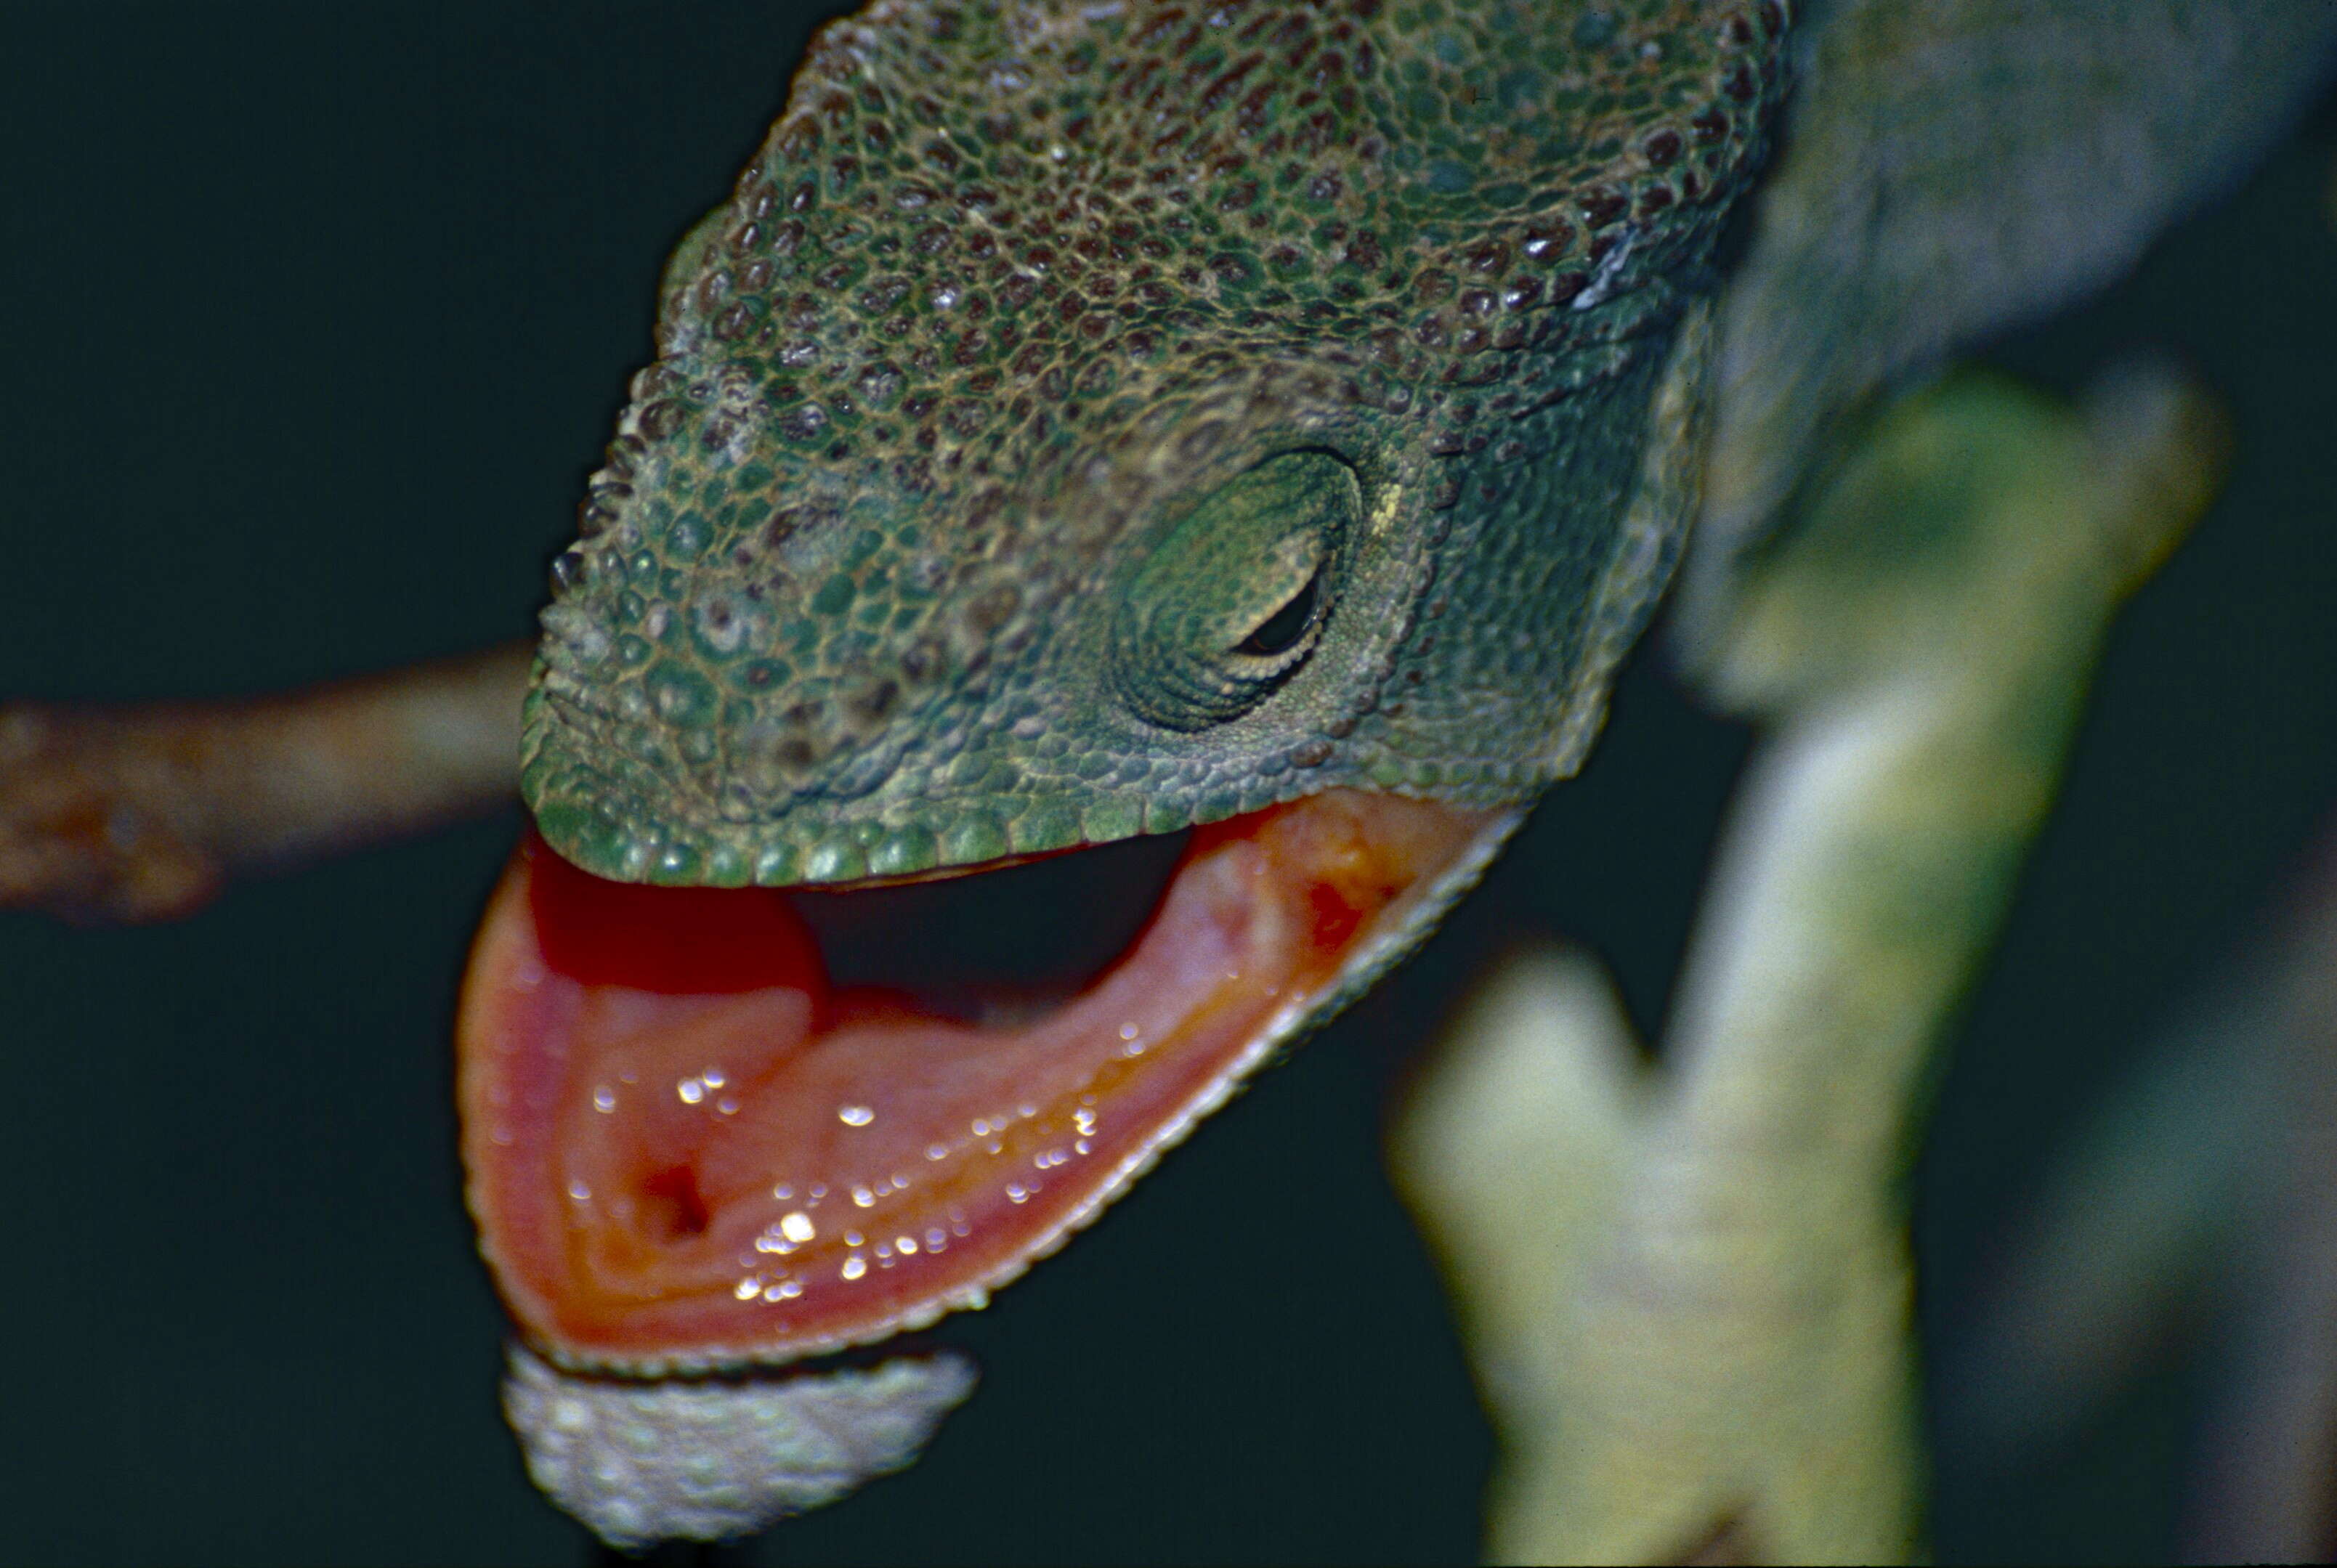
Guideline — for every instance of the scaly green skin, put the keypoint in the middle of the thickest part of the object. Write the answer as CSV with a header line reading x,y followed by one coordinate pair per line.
x,y
1046,352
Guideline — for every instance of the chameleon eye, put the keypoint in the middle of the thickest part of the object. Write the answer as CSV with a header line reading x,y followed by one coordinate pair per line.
x,y
1229,605
1289,626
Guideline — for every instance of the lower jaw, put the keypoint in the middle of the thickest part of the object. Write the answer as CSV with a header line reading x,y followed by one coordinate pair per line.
x,y
722,1167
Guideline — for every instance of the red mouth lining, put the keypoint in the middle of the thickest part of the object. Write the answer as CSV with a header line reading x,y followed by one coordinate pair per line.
x,y
1013,938
689,1145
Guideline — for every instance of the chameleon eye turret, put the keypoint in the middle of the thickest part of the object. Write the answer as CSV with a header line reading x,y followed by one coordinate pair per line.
x,y
1225,610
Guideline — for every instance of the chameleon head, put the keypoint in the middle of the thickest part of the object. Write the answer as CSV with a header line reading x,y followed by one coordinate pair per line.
x,y
1190,612
1106,424
1083,422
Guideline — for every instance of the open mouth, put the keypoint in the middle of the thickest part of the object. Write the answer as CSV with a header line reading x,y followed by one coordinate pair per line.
x,y
710,1127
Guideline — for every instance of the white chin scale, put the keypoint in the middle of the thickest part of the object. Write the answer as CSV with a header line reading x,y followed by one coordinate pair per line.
x,y
671,1459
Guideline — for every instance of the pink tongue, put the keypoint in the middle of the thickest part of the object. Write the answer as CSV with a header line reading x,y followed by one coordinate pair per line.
x,y
684,1151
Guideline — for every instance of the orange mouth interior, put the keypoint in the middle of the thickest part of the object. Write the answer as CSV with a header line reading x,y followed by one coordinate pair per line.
x,y
688,1148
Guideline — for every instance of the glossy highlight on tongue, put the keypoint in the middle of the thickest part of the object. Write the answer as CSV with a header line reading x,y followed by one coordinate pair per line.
x,y
686,1152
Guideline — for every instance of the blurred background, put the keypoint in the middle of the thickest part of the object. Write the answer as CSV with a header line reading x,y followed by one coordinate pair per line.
x,y
312,321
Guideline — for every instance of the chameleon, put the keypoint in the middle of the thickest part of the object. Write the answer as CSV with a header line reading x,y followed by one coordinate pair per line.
x,y
976,510
1083,423
1019,476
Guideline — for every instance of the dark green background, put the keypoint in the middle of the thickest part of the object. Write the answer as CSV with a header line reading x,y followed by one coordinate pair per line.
x,y
312,320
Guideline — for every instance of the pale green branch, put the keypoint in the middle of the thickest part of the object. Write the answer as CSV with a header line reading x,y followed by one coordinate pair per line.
x,y
1687,1287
